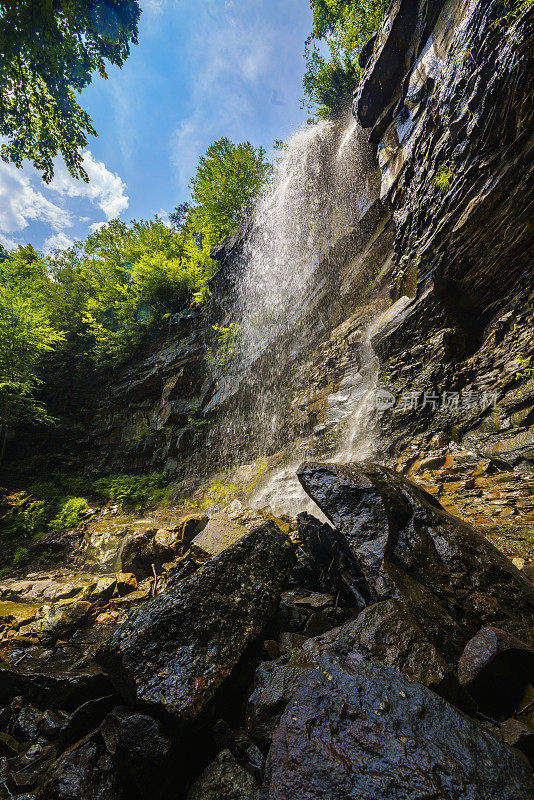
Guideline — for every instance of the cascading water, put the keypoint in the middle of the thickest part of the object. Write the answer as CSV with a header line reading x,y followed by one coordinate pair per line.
x,y
321,188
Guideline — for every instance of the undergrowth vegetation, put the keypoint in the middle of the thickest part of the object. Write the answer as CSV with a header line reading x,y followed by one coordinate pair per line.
x,y
53,505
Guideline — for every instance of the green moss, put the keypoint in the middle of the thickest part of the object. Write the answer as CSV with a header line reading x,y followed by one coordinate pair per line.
x,y
443,176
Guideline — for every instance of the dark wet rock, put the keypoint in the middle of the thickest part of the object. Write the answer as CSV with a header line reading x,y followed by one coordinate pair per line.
x,y
496,668
138,745
84,772
139,552
63,689
409,547
178,648
355,729
224,779
518,735
25,723
53,722
57,621
237,742
319,623
85,719
385,632
326,563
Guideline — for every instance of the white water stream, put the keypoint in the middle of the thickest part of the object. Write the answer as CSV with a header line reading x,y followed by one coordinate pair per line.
x,y
320,189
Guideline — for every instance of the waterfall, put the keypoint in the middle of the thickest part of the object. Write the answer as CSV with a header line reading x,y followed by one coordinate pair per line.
x,y
320,189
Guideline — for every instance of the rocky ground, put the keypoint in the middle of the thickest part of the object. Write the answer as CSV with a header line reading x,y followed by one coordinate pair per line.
x,y
388,654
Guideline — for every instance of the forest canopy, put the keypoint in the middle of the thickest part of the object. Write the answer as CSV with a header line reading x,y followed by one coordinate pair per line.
x,y
50,52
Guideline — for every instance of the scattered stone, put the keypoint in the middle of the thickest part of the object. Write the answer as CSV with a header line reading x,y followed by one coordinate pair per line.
x,y
177,649
224,779
85,719
65,689
126,583
361,729
496,668
57,621
518,735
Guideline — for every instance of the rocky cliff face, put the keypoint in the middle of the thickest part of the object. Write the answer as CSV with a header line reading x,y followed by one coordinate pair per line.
x,y
446,98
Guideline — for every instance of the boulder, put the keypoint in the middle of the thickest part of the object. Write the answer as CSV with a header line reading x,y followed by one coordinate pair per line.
x,y
496,668
386,632
224,779
126,583
57,621
360,729
84,772
220,532
228,526
409,547
138,745
178,648
138,552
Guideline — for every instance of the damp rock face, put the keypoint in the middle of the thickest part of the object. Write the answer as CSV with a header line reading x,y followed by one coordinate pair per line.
x,y
409,547
362,730
178,648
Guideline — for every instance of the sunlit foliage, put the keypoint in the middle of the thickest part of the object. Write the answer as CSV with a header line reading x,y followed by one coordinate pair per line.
x,y
50,51
344,26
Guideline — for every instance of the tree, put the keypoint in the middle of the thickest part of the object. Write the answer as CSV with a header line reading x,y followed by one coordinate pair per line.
x,y
25,334
346,25
226,184
50,50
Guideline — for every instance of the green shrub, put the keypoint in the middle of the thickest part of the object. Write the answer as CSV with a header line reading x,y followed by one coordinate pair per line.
x,y
133,491
21,554
70,513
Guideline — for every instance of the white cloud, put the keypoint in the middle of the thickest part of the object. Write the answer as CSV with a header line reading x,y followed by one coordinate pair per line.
x,y
8,242
96,226
104,188
21,204
59,241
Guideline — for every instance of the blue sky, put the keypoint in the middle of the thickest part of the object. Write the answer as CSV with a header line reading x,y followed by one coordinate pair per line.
x,y
203,69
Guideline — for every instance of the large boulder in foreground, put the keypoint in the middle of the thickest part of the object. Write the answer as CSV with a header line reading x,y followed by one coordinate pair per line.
x,y
453,579
359,730
386,632
177,649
